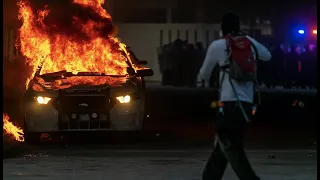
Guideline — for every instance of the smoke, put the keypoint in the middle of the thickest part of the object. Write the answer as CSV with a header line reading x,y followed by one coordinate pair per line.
x,y
15,75
67,18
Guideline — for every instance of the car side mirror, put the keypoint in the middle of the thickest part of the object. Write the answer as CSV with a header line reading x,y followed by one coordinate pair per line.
x,y
145,72
131,71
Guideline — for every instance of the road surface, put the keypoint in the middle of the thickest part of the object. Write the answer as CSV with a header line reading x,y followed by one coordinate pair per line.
x,y
103,163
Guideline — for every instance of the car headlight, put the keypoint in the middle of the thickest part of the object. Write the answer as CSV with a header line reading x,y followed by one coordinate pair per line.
x,y
43,100
124,99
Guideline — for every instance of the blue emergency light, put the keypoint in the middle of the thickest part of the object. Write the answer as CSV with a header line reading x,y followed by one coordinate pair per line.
x,y
301,31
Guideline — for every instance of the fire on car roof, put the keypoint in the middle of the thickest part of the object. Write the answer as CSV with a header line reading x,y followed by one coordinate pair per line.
x,y
77,36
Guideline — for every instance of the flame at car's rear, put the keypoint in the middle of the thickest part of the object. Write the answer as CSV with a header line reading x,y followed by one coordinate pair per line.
x,y
76,36
11,129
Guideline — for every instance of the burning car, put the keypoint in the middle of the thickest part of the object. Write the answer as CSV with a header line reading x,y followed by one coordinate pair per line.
x,y
85,101
84,78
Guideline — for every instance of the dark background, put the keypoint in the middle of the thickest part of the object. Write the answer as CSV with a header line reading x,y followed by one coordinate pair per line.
x,y
283,15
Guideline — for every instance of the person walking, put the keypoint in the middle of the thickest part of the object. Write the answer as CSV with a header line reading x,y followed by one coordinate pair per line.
x,y
236,55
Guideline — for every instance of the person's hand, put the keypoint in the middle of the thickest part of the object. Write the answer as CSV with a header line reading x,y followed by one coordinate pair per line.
x,y
200,81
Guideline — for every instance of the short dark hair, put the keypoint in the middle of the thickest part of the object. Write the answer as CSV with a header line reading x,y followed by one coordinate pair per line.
x,y
230,24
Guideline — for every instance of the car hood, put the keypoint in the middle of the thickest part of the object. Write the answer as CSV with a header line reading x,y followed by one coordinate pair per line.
x,y
39,84
118,86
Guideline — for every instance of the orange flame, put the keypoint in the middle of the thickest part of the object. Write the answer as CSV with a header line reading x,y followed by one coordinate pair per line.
x,y
11,129
96,4
59,51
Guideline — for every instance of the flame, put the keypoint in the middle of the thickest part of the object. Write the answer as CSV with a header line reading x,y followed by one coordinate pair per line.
x,y
11,129
97,5
86,48
40,85
91,46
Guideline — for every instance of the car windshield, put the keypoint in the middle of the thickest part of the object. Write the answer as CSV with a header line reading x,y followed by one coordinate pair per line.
x,y
65,73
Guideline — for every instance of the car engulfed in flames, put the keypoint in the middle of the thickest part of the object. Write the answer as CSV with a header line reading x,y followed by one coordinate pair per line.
x,y
84,78
52,103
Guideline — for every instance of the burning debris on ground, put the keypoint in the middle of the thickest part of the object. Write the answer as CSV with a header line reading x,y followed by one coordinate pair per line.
x,y
11,129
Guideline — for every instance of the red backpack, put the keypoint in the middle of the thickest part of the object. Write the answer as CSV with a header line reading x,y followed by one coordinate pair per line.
x,y
242,64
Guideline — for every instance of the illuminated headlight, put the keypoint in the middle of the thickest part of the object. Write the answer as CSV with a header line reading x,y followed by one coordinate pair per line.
x,y
43,100
124,99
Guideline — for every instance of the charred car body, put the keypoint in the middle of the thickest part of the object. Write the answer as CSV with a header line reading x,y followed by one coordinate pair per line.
x,y
84,101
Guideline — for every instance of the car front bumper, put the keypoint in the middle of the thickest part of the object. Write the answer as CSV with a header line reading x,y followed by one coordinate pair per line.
x,y
122,117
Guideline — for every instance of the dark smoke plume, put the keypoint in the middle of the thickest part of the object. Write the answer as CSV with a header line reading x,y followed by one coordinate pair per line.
x,y
68,18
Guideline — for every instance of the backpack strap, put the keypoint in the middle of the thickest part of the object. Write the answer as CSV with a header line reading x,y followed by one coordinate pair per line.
x,y
238,101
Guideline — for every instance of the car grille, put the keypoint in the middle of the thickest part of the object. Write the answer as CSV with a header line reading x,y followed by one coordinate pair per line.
x,y
84,110
83,103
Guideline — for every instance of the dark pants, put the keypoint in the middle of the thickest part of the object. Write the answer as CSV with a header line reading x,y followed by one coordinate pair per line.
x,y
230,126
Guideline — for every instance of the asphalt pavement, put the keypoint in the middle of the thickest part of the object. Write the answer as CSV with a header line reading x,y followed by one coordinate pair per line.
x,y
102,163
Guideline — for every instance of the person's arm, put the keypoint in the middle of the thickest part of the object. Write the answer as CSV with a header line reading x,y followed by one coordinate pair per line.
x,y
263,52
208,64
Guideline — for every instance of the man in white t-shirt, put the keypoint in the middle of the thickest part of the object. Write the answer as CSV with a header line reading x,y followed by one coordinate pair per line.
x,y
231,120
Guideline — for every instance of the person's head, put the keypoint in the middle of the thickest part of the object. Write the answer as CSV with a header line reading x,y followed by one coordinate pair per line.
x,y
311,48
178,43
230,24
166,47
292,49
298,49
199,45
190,46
